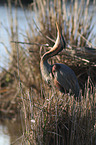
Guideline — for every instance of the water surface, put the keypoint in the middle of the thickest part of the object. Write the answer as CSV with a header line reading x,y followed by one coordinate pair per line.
x,y
10,132
4,135
5,30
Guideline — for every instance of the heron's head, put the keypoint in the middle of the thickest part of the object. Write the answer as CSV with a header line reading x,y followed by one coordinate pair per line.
x,y
60,36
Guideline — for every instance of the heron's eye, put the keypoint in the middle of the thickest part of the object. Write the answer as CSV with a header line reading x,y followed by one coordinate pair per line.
x,y
49,82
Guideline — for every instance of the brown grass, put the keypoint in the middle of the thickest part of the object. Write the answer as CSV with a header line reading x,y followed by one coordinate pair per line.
x,y
49,117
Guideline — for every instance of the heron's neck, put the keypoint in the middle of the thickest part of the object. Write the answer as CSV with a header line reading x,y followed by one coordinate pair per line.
x,y
45,65
45,70
54,51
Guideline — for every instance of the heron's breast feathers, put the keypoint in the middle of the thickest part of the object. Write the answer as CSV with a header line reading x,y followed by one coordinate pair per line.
x,y
46,72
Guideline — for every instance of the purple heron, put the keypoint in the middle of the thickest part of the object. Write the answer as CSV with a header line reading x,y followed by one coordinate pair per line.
x,y
63,77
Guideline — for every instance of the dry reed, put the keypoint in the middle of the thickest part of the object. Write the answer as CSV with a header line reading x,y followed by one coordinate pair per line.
x,y
48,117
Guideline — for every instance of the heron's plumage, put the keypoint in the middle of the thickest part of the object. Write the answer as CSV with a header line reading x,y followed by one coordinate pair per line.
x,y
66,77
63,76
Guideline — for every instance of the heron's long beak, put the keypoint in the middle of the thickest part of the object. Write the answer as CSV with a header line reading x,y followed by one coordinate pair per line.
x,y
58,29
60,36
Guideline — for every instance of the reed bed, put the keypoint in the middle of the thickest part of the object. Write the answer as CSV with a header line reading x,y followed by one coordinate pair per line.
x,y
60,120
47,116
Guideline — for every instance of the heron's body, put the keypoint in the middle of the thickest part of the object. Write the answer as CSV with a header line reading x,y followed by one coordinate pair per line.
x,y
64,77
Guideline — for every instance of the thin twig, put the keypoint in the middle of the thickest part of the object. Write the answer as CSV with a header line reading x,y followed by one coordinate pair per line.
x,y
86,40
20,85
45,36
17,140
54,133
35,43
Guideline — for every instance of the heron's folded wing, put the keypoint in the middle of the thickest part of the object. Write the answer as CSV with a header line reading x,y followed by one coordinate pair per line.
x,y
66,78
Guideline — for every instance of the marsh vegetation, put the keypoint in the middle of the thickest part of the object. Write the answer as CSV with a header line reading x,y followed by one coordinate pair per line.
x,y
47,116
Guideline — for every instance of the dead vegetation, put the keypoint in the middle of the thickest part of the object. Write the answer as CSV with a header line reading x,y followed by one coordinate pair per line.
x,y
49,116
